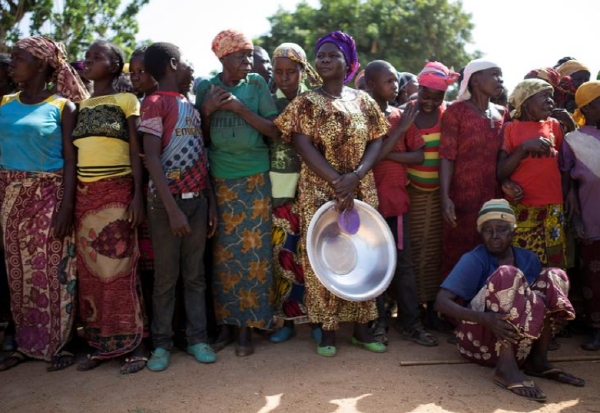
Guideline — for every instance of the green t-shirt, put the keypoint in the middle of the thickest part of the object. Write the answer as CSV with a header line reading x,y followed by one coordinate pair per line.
x,y
236,148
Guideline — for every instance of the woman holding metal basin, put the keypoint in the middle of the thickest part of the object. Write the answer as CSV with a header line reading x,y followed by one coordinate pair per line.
x,y
337,132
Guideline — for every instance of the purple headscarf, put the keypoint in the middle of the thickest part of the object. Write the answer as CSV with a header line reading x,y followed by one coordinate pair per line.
x,y
346,44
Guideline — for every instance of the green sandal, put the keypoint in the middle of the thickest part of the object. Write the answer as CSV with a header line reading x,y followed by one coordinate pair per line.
x,y
374,347
327,351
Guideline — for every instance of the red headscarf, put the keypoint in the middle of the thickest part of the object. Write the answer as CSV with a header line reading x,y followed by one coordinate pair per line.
x,y
68,82
436,76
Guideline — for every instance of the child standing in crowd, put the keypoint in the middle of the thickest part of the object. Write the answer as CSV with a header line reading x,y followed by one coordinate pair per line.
x,y
529,157
391,181
108,209
144,85
424,187
37,189
181,204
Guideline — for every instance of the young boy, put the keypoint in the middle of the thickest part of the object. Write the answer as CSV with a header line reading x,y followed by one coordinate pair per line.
x,y
181,204
391,180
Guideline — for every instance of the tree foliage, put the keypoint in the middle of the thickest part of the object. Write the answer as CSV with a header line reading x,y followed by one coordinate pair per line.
x,y
76,23
406,33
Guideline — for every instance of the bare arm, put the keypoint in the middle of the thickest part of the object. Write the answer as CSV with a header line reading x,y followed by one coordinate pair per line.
x,y
445,303
313,158
177,220
389,142
264,126
63,225
408,158
136,210
446,174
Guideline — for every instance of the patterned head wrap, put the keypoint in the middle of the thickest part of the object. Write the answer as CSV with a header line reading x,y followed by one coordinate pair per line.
x,y
296,53
586,94
548,74
474,66
230,41
523,91
496,209
68,83
436,76
346,44
570,67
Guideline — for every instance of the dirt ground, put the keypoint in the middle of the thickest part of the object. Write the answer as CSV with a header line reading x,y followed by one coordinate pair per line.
x,y
291,377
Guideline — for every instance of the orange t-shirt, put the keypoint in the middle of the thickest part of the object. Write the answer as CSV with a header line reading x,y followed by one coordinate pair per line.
x,y
538,177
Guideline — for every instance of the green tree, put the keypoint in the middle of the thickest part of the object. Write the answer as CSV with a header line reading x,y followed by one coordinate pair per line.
x,y
406,33
76,23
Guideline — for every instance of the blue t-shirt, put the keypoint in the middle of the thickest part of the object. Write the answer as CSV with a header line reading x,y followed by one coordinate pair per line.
x,y
474,268
31,135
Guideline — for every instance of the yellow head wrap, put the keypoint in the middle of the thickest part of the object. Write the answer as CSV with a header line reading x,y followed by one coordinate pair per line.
x,y
523,91
586,94
570,67
296,53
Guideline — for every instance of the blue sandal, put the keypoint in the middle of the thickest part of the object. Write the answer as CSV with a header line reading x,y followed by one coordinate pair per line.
x,y
159,360
202,352
283,334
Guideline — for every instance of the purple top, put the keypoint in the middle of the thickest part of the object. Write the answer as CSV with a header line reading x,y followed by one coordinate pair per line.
x,y
579,157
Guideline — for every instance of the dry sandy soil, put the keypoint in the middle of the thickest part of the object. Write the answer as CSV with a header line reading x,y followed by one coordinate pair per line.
x,y
291,377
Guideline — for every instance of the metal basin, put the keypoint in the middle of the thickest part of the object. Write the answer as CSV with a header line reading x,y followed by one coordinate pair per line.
x,y
355,267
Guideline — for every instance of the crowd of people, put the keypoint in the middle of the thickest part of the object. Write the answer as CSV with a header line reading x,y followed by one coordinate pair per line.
x,y
124,204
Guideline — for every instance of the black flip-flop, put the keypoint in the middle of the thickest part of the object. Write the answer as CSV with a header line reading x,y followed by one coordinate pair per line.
x,y
521,385
559,376
55,364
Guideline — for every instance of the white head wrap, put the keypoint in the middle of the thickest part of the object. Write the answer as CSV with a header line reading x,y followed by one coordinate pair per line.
x,y
474,66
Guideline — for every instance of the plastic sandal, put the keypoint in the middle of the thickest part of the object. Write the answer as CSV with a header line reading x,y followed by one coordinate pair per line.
x,y
282,334
374,347
159,360
327,351
202,352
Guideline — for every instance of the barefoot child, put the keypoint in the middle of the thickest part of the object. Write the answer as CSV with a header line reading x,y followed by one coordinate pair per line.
x,y
391,181
181,205
108,210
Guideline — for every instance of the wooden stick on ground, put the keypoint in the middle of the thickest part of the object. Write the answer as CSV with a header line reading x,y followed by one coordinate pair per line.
x,y
464,361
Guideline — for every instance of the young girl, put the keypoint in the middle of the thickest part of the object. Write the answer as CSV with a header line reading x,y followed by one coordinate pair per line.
x,y
108,210
144,85
37,188
529,157
424,183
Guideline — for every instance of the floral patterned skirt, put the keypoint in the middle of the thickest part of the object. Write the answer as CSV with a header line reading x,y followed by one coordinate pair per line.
x,y
242,252
41,268
507,292
288,275
110,302
542,231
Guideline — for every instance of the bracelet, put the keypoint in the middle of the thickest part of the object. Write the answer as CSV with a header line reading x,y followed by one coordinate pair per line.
x,y
356,173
